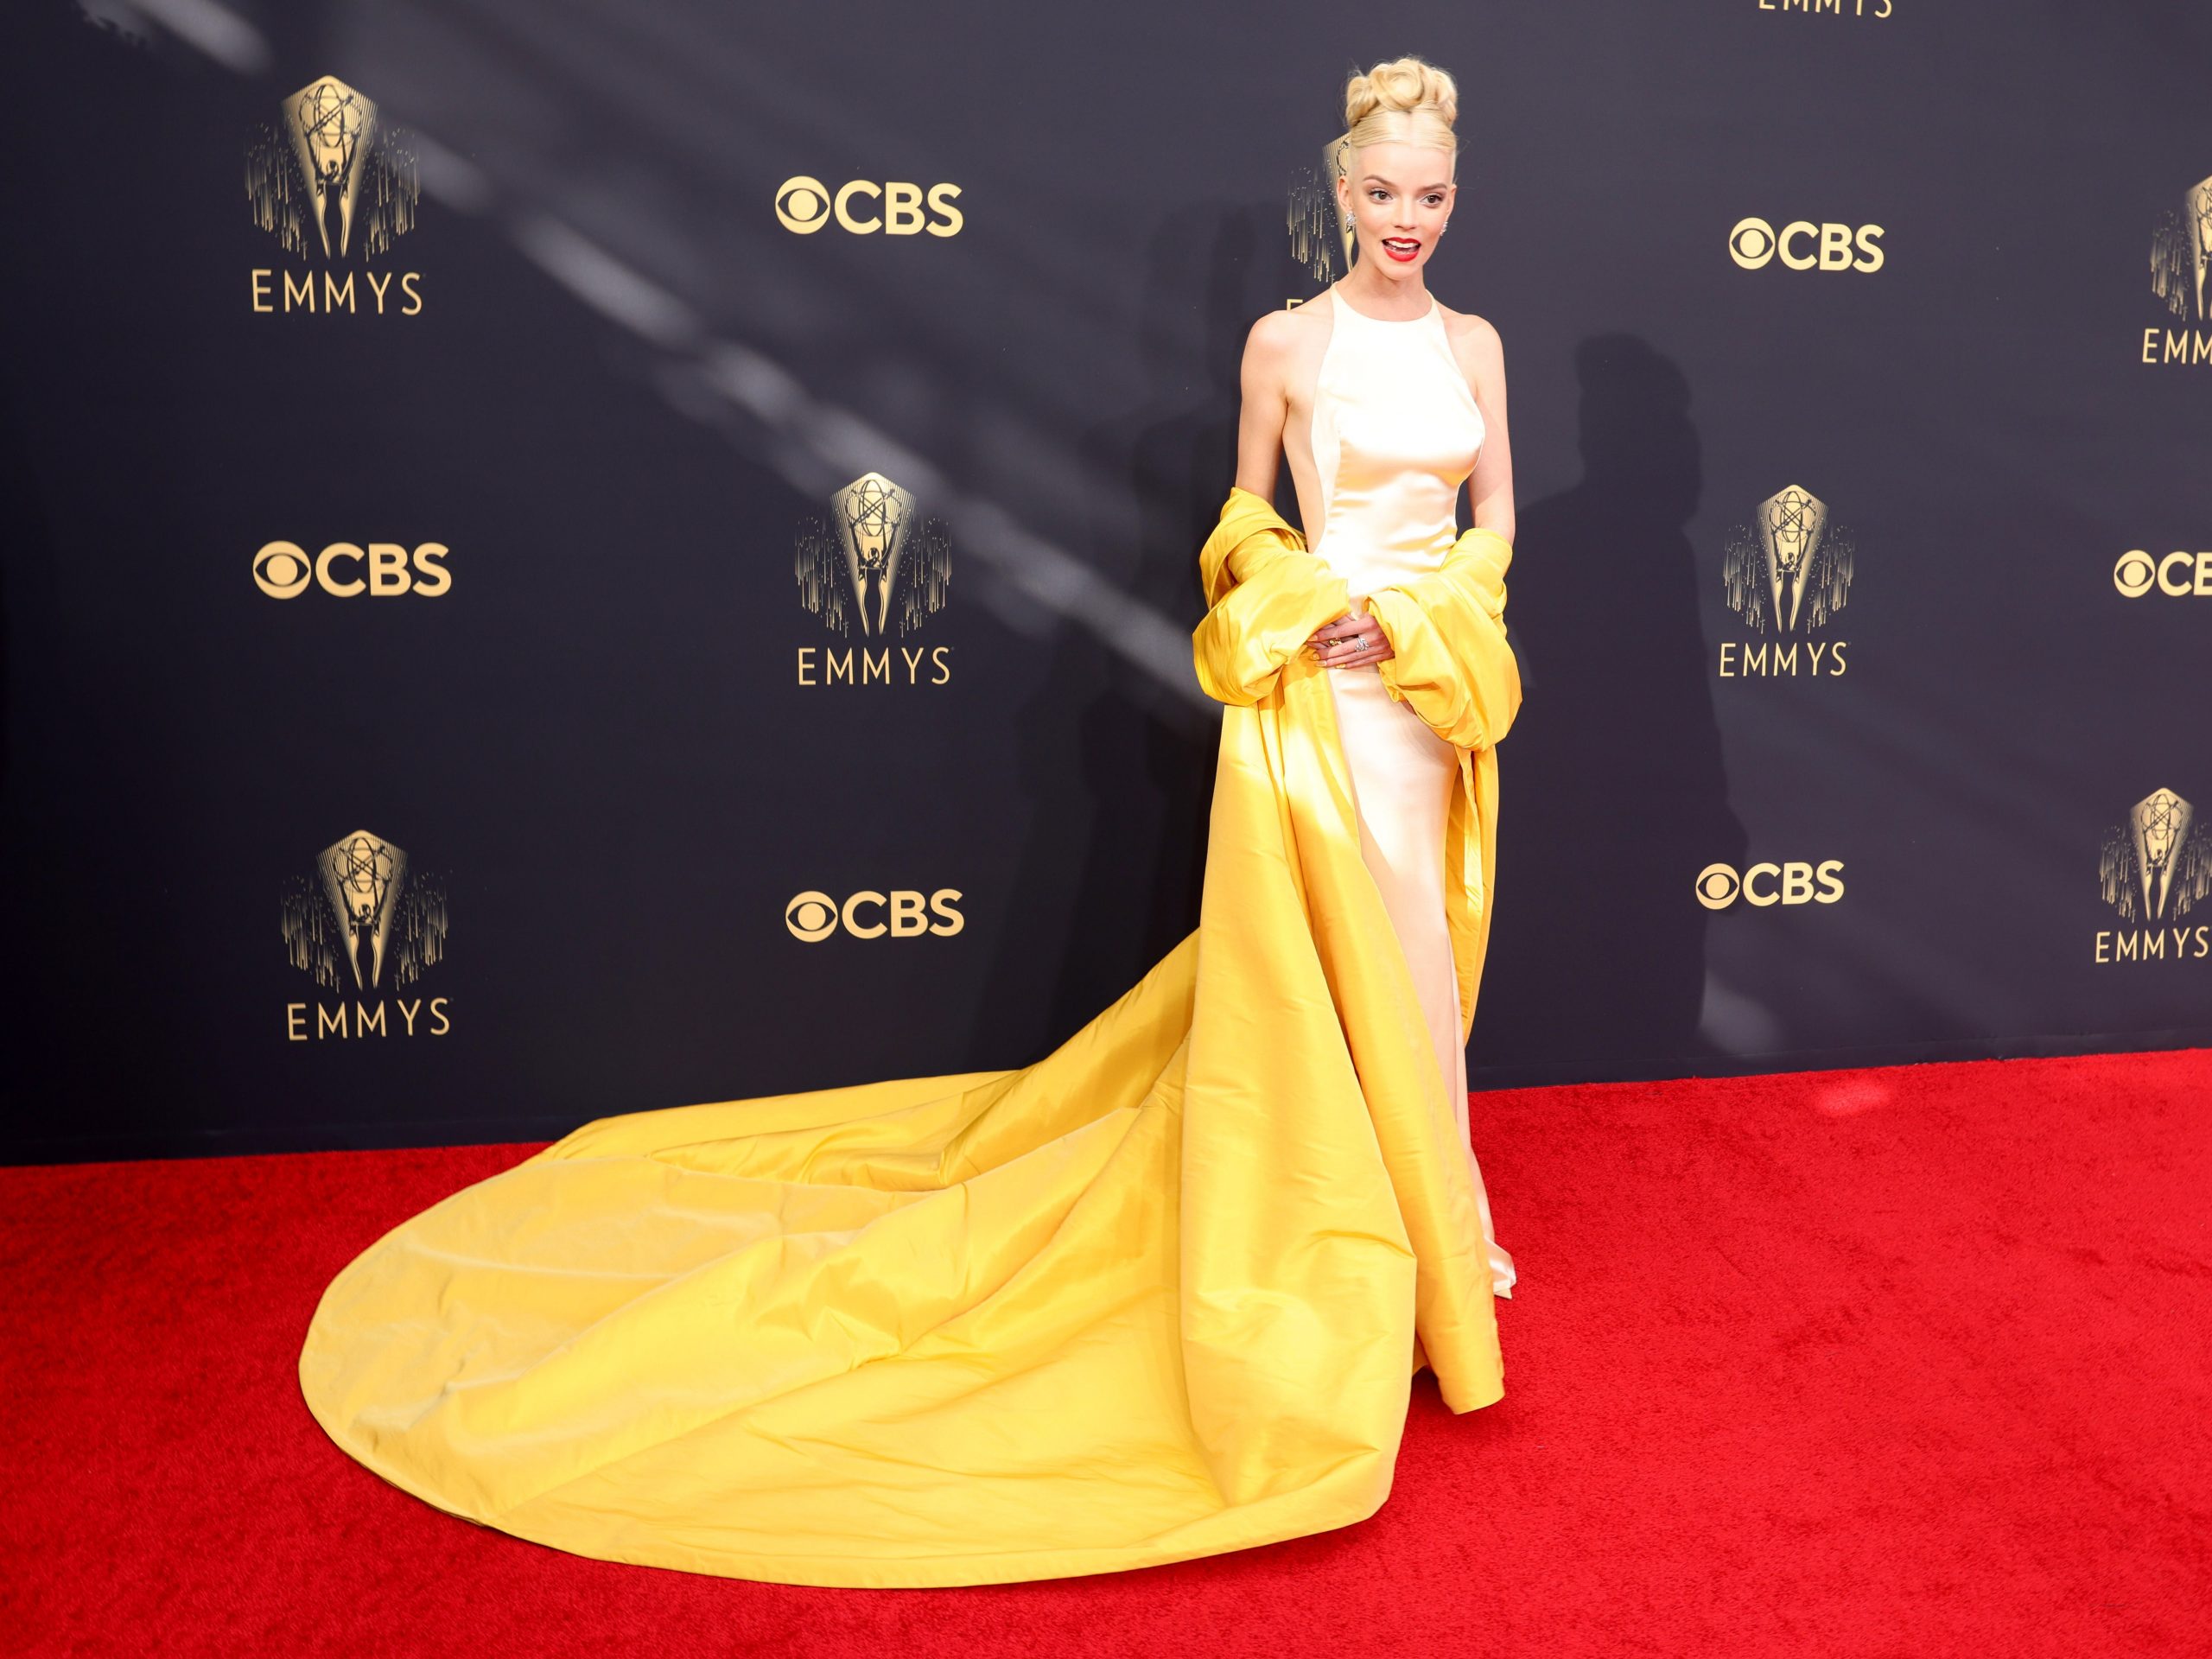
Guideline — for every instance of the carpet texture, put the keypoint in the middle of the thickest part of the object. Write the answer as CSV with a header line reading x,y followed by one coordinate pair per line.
x,y
1904,1362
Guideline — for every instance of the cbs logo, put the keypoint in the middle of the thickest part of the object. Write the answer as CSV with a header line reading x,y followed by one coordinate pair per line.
x,y
1719,885
2178,574
1802,246
870,915
282,570
804,205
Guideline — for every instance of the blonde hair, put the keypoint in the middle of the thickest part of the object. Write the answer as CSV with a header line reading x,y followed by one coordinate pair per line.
x,y
1407,101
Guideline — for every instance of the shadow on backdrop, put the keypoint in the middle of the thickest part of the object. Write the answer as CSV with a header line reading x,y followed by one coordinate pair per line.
x,y
1612,794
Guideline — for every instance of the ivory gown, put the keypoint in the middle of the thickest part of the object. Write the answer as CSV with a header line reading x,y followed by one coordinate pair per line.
x,y
1394,434
1159,1294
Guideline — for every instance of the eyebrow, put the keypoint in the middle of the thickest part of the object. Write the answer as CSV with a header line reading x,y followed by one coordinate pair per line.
x,y
1376,178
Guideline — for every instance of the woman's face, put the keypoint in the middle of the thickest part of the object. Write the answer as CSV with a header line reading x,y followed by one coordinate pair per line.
x,y
1396,197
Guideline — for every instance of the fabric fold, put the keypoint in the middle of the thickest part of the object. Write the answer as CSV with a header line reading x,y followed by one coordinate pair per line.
x,y
1453,666
1451,662
1158,1294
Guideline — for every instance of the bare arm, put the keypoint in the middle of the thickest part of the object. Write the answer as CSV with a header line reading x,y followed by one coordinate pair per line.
x,y
1490,488
1265,404
1353,640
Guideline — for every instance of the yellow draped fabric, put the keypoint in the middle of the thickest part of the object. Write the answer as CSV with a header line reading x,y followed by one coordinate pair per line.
x,y
1159,1294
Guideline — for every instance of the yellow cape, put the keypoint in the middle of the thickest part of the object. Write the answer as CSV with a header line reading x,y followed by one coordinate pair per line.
x,y
1159,1294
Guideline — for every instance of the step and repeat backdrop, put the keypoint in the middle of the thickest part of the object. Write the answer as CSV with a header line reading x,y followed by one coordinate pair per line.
x,y
569,558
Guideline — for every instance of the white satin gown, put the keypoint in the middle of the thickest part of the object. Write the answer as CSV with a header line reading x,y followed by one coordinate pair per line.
x,y
1395,434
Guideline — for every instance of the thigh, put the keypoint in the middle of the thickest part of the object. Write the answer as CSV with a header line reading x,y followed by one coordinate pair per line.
x,y
1404,776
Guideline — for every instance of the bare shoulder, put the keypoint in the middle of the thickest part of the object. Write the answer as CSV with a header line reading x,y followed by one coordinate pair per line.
x,y
1479,353
1281,346
1282,334
1471,334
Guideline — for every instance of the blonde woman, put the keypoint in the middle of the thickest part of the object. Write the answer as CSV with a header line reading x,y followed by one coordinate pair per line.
x,y
1161,1294
1387,403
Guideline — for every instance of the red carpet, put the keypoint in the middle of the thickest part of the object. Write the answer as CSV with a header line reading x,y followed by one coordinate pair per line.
x,y
1908,1362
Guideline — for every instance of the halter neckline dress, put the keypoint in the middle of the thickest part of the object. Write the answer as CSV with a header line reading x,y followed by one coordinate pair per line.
x,y
1159,1293
1396,434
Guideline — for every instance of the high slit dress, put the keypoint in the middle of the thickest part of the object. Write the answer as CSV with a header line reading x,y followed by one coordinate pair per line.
x,y
1160,1293
1395,434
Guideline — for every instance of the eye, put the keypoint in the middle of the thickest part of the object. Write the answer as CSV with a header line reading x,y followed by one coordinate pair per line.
x,y
1752,241
803,204
2135,574
811,917
1717,886
281,569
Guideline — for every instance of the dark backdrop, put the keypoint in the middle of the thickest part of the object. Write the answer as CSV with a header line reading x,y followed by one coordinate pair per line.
x,y
622,393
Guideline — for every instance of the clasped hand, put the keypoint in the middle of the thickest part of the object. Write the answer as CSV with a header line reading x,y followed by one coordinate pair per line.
x,y
1355,640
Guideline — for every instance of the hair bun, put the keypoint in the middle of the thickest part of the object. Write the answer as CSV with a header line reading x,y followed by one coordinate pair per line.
x,y
1402,86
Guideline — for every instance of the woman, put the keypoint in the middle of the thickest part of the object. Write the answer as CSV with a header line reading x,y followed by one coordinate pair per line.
x,y
1385,402
1160,1294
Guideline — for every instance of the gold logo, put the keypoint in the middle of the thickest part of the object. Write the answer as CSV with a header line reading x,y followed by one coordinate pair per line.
x,y
1787,569
902,913
873,547
2180,575
1830,7
875,565
2156,866
1321,237
361,911
2180,258
805,204
364,921
1787,572
1754,243
1796,882
326,178
336,188
2154,869
284,571
2181,250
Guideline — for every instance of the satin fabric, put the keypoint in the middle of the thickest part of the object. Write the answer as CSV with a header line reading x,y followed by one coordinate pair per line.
x,y
1159,1294
1394,433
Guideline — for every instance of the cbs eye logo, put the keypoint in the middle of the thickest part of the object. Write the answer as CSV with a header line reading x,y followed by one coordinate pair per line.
x,y
1719,885
1802,246
283,569
2181,574
902,914
804,206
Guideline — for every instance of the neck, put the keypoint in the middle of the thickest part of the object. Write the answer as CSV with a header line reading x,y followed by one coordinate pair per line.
x,y
1400,299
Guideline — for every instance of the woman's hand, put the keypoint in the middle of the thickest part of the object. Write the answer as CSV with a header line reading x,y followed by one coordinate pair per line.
x,y
1355,640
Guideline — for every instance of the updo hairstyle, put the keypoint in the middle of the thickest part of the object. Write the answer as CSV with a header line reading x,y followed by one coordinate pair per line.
x,y
1406,101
